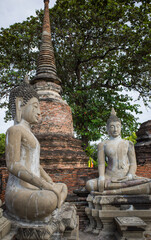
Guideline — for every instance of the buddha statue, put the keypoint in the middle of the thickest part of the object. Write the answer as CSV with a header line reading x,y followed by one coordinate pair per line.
x,y
119,177
31,195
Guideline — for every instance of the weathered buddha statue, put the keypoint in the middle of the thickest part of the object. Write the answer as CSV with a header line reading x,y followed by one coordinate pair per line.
x,y
119,177
31,195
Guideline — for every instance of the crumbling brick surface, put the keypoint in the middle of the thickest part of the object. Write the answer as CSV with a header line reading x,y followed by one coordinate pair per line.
x,y
56,117
61,151
143,145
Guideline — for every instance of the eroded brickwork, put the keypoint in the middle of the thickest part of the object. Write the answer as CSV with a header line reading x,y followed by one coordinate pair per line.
x,y
60,151
143,146
4,178
144,170
56,117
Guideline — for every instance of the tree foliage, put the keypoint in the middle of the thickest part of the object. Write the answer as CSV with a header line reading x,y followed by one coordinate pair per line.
x,y
132,138
2,143
101,48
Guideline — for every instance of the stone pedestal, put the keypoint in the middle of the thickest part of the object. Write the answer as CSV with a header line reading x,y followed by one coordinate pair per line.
x,y
63,225
5,225
131,228
103,210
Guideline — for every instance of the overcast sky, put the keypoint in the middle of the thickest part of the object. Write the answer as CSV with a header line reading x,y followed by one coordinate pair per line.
x,y
12,11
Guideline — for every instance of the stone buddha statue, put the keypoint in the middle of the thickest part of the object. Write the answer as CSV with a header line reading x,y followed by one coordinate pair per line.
x,y
31,195
119,177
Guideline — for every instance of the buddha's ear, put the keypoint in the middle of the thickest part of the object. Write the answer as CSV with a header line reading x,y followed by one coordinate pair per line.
x,y
107,129
18,102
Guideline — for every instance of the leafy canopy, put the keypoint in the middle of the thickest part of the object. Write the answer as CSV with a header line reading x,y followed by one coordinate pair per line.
x,y
2,143
102,47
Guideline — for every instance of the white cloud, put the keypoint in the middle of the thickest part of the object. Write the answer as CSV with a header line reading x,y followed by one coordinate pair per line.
x,y
12,11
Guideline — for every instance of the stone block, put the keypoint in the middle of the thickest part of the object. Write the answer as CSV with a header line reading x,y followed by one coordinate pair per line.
x,y
1,212
131,228
5,226
63,221
103,209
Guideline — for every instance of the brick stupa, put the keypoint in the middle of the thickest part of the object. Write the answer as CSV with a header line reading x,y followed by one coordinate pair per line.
x,y
59,148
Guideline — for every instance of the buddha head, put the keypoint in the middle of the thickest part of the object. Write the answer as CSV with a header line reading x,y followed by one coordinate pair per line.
x,y
24,103
113,125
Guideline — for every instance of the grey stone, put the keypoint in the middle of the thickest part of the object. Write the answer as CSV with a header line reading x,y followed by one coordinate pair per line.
x,y
119,177
63,225
130,228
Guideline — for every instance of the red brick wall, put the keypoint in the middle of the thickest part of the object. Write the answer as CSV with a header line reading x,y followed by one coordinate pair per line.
x,y
56,117
4,177
144,170
73,177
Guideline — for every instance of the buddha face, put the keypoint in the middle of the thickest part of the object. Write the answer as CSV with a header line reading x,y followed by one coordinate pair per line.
x,y
114,129
31,111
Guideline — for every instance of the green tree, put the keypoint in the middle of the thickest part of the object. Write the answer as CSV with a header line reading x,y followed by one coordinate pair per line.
x,y
101,48
132,138
2,143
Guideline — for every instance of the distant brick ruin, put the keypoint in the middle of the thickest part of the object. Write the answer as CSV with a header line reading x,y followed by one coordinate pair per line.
x,y
143,146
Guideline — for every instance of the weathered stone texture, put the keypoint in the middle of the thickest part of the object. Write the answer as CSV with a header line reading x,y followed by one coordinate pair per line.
x,y
63,220
143,146
5,225
103,210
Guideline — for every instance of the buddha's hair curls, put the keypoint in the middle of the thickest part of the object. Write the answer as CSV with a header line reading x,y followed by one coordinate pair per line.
x,y
24,91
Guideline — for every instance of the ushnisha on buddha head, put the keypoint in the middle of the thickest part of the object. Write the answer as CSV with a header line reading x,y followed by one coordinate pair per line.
x,y
24,103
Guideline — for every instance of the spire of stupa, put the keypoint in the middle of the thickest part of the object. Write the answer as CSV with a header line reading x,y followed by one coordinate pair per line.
x,y
46,67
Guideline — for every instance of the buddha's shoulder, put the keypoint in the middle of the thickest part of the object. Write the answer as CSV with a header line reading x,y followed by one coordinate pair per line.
x,y
128,142
16,129
102,144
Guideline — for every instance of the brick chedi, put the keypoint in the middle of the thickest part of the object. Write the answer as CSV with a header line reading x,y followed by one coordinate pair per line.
x,y
143,145
59,148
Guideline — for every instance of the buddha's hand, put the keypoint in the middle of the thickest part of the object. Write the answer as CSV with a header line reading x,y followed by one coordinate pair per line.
x,y
131,176
123,179
54,188
101,180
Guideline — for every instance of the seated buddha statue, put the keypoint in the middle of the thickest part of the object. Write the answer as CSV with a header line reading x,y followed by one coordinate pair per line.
x,y
119,177
31,195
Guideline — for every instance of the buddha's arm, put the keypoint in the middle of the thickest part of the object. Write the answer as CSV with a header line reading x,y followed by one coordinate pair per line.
x,y
14,163
132,160
101,167
45,176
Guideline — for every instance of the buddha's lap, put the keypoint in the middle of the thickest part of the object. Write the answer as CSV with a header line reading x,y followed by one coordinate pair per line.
x,y
28,203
